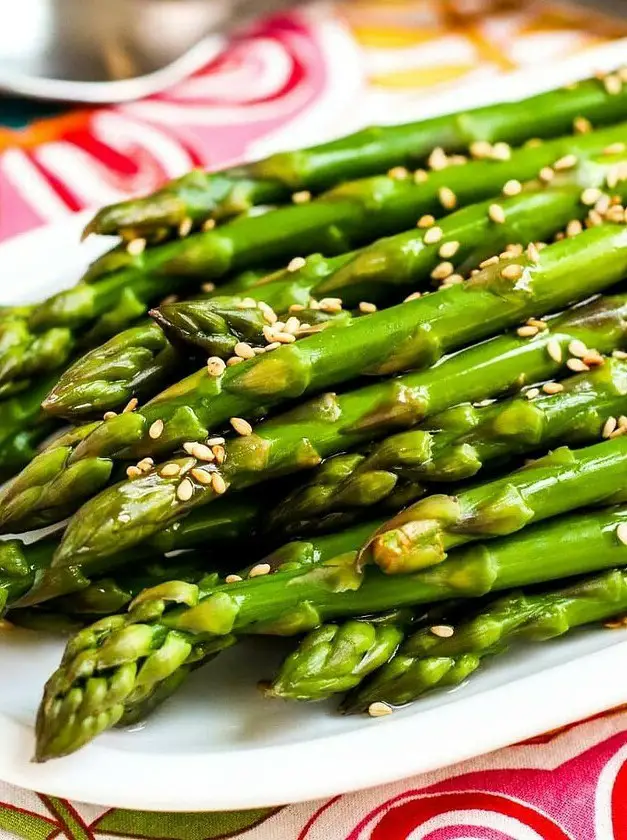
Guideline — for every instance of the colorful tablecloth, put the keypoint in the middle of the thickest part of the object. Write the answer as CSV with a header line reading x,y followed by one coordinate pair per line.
x,y
293,80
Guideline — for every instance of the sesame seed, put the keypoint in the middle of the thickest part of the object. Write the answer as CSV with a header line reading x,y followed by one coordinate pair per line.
x,y
527,331
496,213
420,176
552,387
247,303
202,476
490,261
512,271
379,709
566,162
621,533
216,441
170,470
145,465
274,345
577,365
208,224
291,325
619,354
447,197
573,228
242,427
532,393
233,578
185,227
538,322
554,350
218,484
398,173
613,85
189,447
615,214
331,304
417,295
433,235
219,453
109,415
546,174
133,472
614,149
185,490
437,159
426,221
501,151
156,430
619,432
442,271
243,350
512,187
480,149
609,426
124,517
301,197
202,452
215,366
443,631
296,264
448,249
234,360
365,306
594,219
452,280
590,196
259,570
533,253
593,359
136,247
582,125
577,348
284,338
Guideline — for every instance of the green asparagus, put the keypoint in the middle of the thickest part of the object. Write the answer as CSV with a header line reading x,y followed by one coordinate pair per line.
x,y
428,660
199,195
105,665
467,437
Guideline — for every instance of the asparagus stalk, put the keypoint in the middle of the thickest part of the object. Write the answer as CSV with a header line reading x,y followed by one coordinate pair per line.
x,y
426,661
105,665
466,438
199,196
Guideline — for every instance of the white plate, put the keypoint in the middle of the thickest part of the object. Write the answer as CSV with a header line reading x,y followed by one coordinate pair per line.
x,y
218,744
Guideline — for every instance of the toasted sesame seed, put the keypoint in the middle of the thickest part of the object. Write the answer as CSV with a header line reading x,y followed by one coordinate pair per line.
x,y
613,85
590,196
512,271
512,187
233,578
215,366
259,570
398,173
208,224
490,261
433,235
170,470
552,387
546,174
621,532
496,214
156,430
443,631
416,295
242,427
574,228
619,432
577,365
426,221
145,465
109,415
593,359
614,149
501,151
448,249
537,322
481,149
566,162
554,350
442,271
619,354
379,709
420,176
234,360
301,197
136,247
447,197
577,348
609,426
202,476
296,264
292,325
243,350
582,125
367,307
218,484
532,393
527,331
185,490
133,472
202,452
219,453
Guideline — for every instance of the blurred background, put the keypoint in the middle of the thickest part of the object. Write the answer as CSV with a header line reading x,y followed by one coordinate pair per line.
x,y
103,98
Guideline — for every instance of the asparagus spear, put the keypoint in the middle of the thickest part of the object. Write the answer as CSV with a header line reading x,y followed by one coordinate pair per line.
x,y
466,439
426,327
104,665
199,195
426,660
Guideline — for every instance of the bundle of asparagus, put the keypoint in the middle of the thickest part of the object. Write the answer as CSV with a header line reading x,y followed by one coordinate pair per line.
x,y
475,345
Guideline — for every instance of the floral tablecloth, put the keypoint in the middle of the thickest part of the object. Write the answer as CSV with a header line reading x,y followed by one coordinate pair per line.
x,y
293,80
